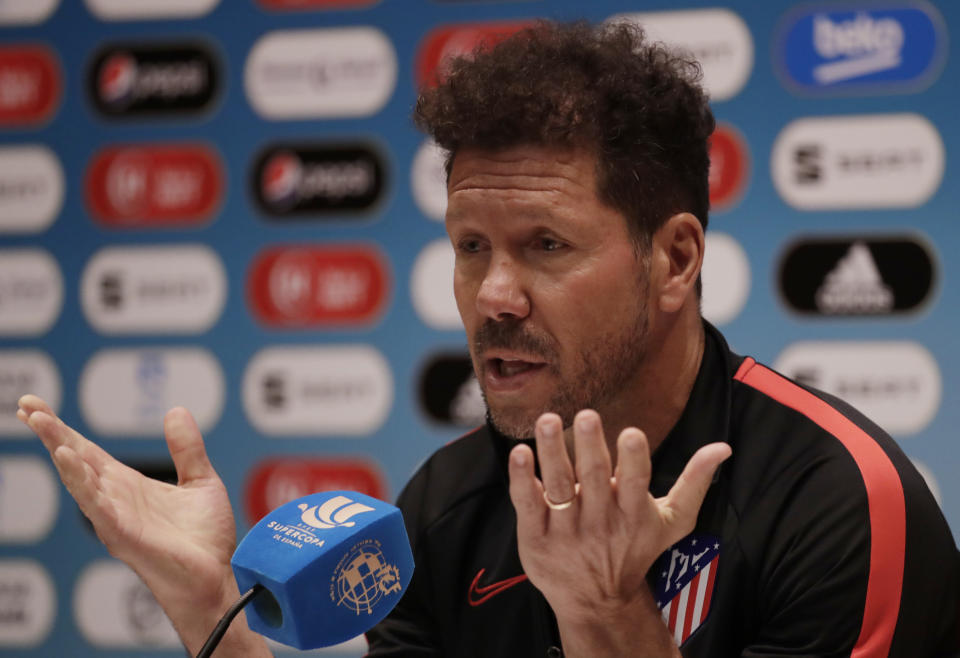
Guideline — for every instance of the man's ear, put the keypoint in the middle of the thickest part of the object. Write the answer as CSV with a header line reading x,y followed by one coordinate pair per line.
x,y
677,259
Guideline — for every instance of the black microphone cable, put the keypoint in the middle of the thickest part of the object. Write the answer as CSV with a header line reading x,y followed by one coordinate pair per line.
x,y
224,622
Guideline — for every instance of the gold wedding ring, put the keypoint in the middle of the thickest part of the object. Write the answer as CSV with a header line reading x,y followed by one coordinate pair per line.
x,y
565,504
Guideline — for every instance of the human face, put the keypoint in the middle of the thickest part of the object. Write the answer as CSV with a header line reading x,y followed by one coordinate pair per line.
x,y
549,284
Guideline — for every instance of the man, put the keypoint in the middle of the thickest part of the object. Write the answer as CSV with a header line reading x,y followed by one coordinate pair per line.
x,y
577,205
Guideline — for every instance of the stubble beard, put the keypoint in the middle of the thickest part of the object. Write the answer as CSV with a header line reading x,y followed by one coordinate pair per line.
x,y
603,368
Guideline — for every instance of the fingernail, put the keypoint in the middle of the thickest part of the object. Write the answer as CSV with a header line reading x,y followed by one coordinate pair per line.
x,y
586,422
549,428
519,459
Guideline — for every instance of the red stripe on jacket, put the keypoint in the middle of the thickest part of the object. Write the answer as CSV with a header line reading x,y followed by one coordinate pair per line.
x,y
888,525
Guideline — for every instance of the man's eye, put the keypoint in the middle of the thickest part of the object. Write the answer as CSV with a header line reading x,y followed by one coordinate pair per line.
x,y
470,246
549,244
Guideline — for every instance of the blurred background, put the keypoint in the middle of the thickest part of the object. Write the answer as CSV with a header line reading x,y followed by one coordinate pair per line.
x,y
224,204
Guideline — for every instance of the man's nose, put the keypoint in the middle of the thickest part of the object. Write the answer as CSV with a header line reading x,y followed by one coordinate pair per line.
x,y
502,295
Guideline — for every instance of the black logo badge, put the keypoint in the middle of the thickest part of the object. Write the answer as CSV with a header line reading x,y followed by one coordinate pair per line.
x,y
859,276
134,80
450,392
291,180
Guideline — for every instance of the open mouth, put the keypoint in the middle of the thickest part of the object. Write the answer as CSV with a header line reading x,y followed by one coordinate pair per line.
x,y
511,368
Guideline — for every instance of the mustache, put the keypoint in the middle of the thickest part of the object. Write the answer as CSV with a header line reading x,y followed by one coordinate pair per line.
x,y
513,335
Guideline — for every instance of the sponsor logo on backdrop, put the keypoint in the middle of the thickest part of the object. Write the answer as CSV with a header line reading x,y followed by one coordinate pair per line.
x,y
30,85
857,276
729,167
25,371
726,278
863,161
114,610
151,185
896,384
154,289
717,38
275,482
126,392
450,392
294,180
133,10
318,286
431,286
31,188
428,180
318,391
320,73
28,603
31,292
865,47
159,79
29,499
447,42
314,5
26,12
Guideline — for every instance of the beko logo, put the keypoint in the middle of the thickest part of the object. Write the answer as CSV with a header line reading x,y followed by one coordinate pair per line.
x,y
322,73
857,276
318,286
729,167
31,188
150,185
130,79
431,286
295,180
30,85
726,278
155,289
870,47
126,392
450,392
25,371
115,610
717,38
865,161
31,292
26,12
28,603
133,10
450,41
897,384
275,482
318,391
29,499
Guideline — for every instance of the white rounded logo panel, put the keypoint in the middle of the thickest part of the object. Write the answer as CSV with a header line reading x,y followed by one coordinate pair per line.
x,y
431,286
29,499
318,391
726,278
336,72
428,179
132,10
896,384
28,603
717,38
31,188
115,610
31,292
126,392
864,161
21,372
26,12
155,289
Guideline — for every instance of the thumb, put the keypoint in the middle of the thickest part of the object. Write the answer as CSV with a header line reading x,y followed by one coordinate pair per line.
x,y
186,446
686,496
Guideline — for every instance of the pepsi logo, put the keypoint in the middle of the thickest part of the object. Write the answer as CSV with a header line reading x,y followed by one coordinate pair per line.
x,y
116,79
281,178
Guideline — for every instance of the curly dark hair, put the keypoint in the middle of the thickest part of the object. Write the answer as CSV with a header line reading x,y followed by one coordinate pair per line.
x,y
635,104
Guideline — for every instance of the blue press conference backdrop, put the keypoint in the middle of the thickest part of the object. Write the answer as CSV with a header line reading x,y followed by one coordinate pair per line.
x,y
224,204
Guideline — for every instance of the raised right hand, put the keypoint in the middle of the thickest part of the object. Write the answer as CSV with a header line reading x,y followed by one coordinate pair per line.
x,y
178,539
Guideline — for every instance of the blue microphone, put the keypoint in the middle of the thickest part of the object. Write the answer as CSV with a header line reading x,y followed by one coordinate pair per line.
x,y
332,565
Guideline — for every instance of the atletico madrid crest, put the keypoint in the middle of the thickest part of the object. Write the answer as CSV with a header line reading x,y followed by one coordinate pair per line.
x,y
685,575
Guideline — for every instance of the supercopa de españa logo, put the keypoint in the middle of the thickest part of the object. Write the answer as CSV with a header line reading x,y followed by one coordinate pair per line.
x,y
334,513
363,577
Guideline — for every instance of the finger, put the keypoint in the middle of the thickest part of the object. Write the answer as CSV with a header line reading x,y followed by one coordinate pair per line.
x,y
81,481
593,464
54,433
186,446
633,472
526,493
682,503
556,471
30,403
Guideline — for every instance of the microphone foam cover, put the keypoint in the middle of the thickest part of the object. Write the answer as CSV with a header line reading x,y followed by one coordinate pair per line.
x,y
333,563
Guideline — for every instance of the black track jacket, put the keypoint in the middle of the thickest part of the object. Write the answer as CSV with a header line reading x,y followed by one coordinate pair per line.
x,y
817,538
